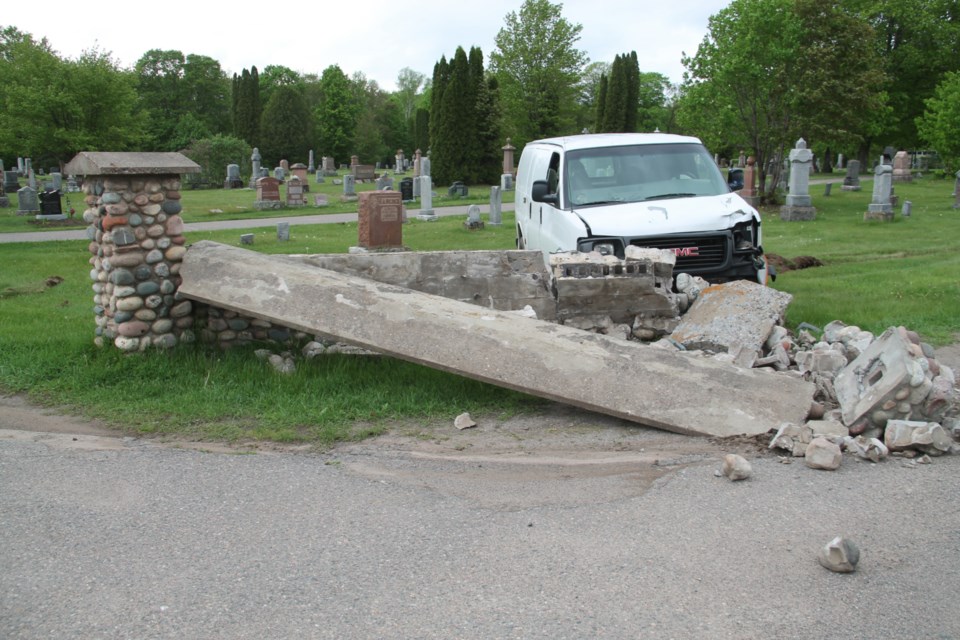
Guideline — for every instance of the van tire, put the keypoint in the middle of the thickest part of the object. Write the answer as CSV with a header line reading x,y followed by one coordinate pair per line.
x,y
521,245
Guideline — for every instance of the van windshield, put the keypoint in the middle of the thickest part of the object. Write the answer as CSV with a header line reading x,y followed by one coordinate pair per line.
x,y
640,173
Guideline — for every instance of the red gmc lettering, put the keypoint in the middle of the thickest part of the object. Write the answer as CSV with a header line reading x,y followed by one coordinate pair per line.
x,y
687,252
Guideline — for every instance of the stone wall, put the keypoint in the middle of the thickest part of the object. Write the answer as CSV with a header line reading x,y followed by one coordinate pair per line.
x,y
137,243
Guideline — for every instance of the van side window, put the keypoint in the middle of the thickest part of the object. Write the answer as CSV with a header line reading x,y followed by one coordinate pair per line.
x,y
553,174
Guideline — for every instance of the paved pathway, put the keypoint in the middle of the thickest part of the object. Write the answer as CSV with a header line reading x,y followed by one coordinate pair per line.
x,y
330,218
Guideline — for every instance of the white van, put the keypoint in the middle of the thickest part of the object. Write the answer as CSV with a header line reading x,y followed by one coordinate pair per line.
x,y
603,192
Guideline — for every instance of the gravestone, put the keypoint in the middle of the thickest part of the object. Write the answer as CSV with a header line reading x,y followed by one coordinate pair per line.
x,y
28,170
416,187
508,151
380,220
320,200
285,165
268,194
233,180
349,186
329,166
56,181
799,205
283,230
901,167
416,163
425,166
506,182
246,238
354,161
400,159
20,169
28,203
458,189
826,189
72,186
310,166
31,177
295,192
384,183
956,192
496,207
426,199
907,209
4,200
741,160
840,161
300,170
880,207
406,189
852,180
364,172
473,220
279,174
319,177
749,191
50,208
11,183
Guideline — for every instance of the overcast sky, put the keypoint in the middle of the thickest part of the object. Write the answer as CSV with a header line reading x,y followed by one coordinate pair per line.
x,y
377,37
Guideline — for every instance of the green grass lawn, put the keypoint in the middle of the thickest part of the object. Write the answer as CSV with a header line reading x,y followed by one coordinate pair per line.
x,y
205,205
875,275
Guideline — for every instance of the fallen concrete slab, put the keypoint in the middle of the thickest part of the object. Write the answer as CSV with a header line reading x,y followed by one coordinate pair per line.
x,y
735,317
657,387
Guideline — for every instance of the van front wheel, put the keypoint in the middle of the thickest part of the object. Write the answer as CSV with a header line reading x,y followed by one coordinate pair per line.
x,y
521,245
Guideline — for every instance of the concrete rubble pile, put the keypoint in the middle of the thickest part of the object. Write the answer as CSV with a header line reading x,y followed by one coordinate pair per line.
x,y
876,396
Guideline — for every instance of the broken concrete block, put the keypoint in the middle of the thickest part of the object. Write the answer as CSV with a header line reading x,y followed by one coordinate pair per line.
x,y
823,454
871,449
880,378
623,379
778,358
736,467
737,315
820,360
827,428
792,438
840,555
599,284
929,437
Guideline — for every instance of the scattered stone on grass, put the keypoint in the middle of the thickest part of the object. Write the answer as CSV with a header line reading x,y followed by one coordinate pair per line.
x,y
464,421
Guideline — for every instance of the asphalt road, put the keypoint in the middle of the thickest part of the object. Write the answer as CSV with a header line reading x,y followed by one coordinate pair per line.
x,y
123,538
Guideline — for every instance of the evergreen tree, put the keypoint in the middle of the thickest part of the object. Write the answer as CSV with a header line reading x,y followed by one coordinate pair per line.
x,y
247,109
285,126
631,68
421,130
441,74
336,116
451,154
601,105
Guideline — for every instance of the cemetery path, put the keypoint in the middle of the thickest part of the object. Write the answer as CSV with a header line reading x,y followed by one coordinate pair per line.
x,y
252,223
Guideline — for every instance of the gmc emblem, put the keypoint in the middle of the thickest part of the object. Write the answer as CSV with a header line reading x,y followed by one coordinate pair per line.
x,y
687,252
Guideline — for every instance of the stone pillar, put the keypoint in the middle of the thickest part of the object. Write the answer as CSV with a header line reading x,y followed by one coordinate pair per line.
x,y
798,206
426,199
880,207
416,163
425,166
354,161
255,163
508,150
749,191
310,167
496,207
137,242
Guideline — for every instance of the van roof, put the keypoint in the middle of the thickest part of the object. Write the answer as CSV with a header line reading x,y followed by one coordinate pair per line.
x,y
593,140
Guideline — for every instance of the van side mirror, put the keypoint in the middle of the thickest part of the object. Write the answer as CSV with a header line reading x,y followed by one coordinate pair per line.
x,y
538,192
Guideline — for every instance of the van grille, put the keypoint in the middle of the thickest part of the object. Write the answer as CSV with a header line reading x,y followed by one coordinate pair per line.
x,y
695,254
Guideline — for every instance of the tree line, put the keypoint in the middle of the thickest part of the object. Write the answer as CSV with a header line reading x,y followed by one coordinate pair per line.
x,y
850,77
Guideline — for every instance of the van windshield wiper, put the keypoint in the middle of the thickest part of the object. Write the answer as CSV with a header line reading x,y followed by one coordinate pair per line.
x,y
593,202
665,196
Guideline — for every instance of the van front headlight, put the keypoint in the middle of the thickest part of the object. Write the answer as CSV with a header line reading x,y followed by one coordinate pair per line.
x,y
603,246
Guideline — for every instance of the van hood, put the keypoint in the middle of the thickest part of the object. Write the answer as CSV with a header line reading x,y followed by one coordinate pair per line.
x,y
663,217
